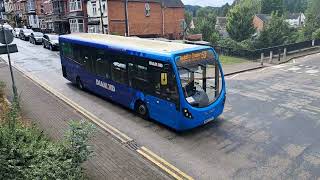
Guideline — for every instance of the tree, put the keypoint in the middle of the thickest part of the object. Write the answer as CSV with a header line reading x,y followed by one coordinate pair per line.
x,y
313,18
239,19
277,32
205,25
295,6
269,6
316,34
188,19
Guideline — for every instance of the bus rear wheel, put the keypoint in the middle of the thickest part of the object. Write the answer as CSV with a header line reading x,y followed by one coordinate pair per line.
x,y
142,110
79,84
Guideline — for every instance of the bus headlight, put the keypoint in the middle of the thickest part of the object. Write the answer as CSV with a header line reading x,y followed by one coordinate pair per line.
x,y
186,113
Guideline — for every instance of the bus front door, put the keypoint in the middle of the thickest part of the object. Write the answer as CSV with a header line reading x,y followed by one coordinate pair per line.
x,y
162,110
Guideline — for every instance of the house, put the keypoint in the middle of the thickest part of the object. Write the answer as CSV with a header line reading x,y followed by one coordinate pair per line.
x,y
21,12
296,20
77,15
33,20
221,26
47,15
59,17
146,18
260,21
95,23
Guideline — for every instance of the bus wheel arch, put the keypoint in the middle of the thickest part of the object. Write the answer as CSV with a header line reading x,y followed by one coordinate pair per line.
x,y
141,109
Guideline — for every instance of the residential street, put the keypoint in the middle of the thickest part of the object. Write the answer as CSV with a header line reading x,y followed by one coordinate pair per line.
x,y
269,129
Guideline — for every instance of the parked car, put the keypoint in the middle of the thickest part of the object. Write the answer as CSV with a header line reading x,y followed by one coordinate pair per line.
x,y
50,41
36,38
16,32
7,26
25,33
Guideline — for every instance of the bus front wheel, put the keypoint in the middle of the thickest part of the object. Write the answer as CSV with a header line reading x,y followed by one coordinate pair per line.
x,y
79,84
142,109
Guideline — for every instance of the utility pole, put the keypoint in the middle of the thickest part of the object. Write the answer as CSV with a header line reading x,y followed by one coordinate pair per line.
x,y
101,17
126,16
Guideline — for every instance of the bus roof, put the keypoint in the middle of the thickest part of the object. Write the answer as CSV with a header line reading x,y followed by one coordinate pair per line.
x,y
135,43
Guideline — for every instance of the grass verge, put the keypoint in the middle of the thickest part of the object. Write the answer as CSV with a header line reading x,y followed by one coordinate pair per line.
x,y
228,60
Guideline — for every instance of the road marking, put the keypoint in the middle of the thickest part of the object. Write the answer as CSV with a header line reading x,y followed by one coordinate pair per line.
x,y
232,76
146,153
169,167
312,71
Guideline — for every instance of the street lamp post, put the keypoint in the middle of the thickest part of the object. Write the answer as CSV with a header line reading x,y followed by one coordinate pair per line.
x,y
101,17
126,16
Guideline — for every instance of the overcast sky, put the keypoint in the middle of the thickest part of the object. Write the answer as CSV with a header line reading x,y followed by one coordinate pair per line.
x,y
214,3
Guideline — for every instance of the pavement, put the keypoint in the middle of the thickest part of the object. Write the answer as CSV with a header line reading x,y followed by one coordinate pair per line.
x,y
110,160
231,69
269,128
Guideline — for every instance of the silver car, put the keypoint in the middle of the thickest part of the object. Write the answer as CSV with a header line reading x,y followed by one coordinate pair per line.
x,y
36,38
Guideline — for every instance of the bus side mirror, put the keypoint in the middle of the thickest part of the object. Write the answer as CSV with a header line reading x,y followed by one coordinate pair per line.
x,y
164,79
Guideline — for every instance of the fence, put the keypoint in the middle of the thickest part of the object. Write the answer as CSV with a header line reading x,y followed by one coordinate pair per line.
x,y
256,54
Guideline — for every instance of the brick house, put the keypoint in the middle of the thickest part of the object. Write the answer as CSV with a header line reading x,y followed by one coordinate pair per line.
x,y
33,20
95,23
146,18
77,15
21,12
260,21
59,17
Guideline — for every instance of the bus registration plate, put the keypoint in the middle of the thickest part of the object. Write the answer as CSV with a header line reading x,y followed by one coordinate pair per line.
x,y
208,120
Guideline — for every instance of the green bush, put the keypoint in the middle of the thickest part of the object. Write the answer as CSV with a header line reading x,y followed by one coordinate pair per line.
x,y
2,86
26,153
230,43
316,34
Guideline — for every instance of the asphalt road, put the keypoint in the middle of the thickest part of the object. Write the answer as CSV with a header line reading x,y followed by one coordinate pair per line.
x,y
270,127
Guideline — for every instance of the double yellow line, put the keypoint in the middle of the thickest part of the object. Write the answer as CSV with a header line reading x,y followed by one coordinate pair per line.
x,y
123,138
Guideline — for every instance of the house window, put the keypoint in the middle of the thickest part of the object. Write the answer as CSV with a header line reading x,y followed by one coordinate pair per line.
x,y
147,9
76,25
93,28
94,8
75,5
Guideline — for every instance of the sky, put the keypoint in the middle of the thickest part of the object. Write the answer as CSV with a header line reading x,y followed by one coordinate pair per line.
x,y
214,3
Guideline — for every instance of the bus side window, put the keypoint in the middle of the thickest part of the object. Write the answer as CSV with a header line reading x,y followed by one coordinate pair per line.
x,y
170,90
66,49
164,88
102,65
119,72
86,57
138,76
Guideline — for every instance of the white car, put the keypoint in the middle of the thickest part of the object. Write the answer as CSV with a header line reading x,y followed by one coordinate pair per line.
x,y
7,26
16,32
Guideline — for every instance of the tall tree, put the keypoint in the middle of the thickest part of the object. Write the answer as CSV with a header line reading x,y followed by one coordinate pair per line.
x,y
313,18
276,32
239,19
295,6
205,24
187,19
269,6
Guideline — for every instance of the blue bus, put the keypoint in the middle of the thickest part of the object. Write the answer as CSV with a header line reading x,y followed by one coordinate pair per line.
x,y
179,85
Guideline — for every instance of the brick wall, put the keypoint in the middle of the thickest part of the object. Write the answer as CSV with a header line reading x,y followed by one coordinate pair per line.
x,y
116,17
140,24
172,22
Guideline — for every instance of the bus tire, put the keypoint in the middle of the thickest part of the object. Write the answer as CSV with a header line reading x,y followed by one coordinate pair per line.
x,y
79,84
142,110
